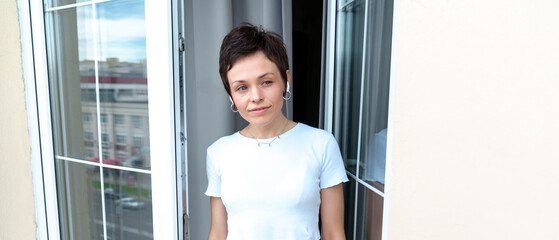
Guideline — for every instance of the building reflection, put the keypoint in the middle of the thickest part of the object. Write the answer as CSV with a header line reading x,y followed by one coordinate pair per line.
x,y
123,98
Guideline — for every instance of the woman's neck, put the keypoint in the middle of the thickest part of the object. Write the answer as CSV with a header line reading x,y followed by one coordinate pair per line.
x,y
276,128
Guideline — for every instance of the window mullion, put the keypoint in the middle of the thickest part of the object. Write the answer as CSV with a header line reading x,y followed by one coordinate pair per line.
x,y
98,108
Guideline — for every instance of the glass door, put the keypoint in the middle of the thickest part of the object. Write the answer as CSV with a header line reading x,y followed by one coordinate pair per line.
x,y
359,88
111,91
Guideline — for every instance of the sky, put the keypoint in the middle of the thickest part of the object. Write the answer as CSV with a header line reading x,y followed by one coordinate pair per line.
x,y
120,29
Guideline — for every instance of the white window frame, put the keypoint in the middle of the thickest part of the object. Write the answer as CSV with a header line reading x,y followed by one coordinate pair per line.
x,y
390,129
162,118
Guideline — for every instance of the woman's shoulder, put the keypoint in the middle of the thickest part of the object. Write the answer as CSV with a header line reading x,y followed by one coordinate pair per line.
x,y
308,132
224,142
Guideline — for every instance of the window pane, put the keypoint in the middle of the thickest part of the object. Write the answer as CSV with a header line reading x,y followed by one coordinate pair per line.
x,y
375,97
369,214
120,62
70,44
349,207
128,205
347,82
123,81
79,200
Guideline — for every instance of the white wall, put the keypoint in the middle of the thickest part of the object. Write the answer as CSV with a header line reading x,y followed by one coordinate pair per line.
x,y
476,121
17,209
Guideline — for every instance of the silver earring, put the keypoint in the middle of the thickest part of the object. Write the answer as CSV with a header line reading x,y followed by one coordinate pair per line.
x,y
233,107
287,94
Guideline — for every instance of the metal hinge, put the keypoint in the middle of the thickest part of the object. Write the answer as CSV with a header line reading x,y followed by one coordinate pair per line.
x,y
181,44
185,226
183,138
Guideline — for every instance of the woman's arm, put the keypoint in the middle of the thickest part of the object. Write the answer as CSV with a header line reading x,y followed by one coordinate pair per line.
x,y
218,228
332,212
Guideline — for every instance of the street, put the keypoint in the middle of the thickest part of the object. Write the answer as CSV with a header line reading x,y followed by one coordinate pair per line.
x,y
124,222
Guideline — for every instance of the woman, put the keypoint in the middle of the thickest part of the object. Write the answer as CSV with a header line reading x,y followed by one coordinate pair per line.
x,y
271,179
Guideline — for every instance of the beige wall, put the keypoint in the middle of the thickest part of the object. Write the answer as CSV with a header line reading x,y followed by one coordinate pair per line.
x,y
476,131
17,208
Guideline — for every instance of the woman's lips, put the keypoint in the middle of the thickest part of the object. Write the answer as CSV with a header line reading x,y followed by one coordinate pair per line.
x,y
259,110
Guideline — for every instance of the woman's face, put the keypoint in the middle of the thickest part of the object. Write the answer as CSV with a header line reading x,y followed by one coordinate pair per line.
x,y
257,89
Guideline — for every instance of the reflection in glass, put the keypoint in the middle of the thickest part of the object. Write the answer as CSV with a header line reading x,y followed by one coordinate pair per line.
x,y
123,82
347,82
72,99
349,207
79,200
341,3
58,3
128,208
118,68
369,214
376,91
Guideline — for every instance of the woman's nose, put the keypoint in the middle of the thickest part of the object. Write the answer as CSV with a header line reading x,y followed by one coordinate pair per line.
x,y
256,95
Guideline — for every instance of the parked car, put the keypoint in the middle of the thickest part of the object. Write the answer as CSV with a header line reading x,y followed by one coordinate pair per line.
x,y
111,193
130,203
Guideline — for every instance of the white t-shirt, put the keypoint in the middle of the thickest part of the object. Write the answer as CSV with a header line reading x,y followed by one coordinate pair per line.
x,y
273,192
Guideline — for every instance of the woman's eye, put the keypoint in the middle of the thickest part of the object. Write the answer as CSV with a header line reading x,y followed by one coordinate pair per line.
x,y
267,82
242,88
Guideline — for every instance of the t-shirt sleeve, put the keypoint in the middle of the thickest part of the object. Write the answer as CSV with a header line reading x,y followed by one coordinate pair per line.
x,y
214,177
333,169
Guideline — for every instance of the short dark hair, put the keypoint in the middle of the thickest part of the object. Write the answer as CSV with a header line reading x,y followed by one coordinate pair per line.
x,y
246,40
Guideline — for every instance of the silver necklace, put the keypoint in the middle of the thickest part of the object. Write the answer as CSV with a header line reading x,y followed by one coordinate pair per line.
x,y
270,142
